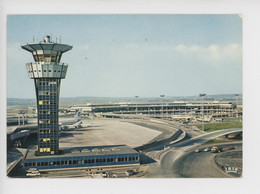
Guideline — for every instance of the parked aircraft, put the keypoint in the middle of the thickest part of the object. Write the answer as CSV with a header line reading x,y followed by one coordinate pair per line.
x,y
76,122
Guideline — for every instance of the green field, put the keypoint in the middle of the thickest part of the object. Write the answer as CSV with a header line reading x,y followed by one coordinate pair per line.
x,y
218,126
232,119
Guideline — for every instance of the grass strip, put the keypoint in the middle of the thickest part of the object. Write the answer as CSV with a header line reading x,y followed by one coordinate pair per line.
x,y
218,126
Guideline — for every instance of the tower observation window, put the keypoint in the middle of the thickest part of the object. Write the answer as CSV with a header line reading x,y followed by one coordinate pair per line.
x,y
48,57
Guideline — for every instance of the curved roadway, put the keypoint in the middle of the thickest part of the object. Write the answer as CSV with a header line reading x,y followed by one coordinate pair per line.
x,y
165,167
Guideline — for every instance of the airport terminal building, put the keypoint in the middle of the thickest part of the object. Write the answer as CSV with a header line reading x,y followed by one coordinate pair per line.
x,y
89,158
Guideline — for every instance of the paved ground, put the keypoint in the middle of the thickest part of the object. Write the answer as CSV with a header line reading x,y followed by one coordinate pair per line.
x,y
13,155
197,165
181,161
107,132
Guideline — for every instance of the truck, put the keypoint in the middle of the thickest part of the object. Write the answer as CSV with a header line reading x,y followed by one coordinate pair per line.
x,y
216,149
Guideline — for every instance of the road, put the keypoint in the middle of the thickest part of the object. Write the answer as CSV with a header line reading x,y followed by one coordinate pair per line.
x,y
165,165
190,143
201,165
197,165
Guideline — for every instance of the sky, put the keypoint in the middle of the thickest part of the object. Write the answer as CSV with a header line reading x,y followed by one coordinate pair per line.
x,y
132,55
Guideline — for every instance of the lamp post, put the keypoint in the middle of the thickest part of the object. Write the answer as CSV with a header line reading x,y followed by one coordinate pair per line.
x,y
162,96
136,104
19,119
236,95
202,95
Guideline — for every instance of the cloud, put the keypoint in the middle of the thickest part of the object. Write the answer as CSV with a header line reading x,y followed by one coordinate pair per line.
x,y
210,55
145,69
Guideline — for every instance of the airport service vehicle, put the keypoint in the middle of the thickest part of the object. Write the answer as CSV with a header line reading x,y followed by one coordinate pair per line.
x,y
33,173
206,149
31,170
132,172
230,148
216,149
197,150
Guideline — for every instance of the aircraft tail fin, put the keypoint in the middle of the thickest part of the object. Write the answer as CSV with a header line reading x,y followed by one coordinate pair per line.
x,y
77,115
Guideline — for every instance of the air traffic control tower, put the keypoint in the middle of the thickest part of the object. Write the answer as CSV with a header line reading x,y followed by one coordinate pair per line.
x,y
47,72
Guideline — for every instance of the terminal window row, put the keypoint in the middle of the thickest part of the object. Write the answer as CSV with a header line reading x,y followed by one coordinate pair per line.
x,y
52,97
46,87
43,121
83,161
45,149
43,112
46,71
53,91
47,140
47,82
45,145
48,126
43,93
53,135
49,116
48,134
48,98
47,131
49,143
46,102
48,107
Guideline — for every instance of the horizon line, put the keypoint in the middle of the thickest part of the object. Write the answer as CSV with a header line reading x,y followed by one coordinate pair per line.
x,y
240,94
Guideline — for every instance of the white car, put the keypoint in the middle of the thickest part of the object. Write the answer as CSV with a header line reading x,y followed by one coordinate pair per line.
x,y
33,173
206,149
197,150
31,170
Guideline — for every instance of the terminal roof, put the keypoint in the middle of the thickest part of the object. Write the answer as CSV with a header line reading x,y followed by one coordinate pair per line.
x,y
86,151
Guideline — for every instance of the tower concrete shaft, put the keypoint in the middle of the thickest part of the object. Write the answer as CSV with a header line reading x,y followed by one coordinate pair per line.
x,y
47,72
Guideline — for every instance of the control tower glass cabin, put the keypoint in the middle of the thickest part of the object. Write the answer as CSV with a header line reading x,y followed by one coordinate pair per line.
x,y
47,72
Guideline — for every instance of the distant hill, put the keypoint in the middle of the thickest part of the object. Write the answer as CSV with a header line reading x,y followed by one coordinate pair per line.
x,y
21,101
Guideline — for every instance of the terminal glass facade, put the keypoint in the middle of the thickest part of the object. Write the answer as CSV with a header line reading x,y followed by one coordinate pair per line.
x,y
82,161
